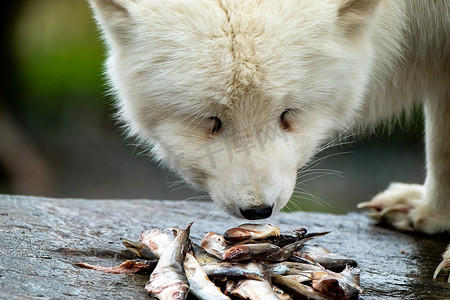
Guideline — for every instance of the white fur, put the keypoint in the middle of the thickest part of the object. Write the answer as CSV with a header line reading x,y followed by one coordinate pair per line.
x,y
333,63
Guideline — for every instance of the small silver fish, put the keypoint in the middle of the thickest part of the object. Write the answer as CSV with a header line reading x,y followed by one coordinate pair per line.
x,y
199,283
202,256
251,289
168,281
328,284
322,256
249,251
251,232
292,268
226,269
340,286
158,239
214,244
288,237
297,289
139,249
286,252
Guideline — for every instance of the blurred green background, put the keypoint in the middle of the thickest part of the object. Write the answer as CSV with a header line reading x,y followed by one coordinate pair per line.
x,y
58,137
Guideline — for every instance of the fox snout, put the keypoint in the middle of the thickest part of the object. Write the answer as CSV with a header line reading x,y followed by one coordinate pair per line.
x,y
252,195
256,213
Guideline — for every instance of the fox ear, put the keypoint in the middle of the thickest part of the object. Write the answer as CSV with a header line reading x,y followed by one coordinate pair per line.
x,y
353,14
112,17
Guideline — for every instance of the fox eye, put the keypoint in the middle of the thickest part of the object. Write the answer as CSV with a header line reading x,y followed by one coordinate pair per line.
x,y
287,120
216,125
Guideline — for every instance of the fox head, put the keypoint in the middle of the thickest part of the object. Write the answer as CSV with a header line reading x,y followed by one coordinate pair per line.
x,y
237,95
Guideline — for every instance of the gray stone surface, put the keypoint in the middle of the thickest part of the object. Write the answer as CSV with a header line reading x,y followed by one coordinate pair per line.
x,y
41,239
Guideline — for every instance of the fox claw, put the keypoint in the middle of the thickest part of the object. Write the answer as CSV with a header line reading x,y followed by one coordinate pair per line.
x,y
444,265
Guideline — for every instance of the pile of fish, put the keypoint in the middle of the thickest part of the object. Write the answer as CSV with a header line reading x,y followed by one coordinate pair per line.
x,y
251,261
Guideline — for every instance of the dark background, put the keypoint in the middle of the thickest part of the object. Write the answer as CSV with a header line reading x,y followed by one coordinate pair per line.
x,y
58,137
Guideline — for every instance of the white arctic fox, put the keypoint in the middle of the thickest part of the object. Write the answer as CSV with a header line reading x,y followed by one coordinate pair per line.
x,y
237,95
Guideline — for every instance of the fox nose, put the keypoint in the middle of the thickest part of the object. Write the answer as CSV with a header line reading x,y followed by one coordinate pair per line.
x,y
257,212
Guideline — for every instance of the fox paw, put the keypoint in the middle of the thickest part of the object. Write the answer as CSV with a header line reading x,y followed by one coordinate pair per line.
x,y
405,207
444,265
396,206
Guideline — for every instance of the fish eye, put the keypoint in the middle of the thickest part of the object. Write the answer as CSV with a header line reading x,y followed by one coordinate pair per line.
x,y
216,124
287,120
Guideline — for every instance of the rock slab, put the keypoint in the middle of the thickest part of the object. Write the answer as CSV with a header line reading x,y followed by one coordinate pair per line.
x,y
42,238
